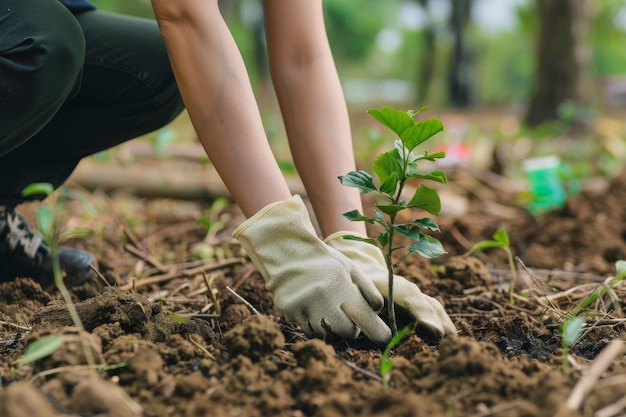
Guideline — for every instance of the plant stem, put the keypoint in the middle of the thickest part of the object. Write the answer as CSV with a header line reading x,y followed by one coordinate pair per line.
x,y
391,310
513,274
58,280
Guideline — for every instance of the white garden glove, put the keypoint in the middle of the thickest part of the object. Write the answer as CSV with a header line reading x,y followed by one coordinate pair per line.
x,y
425,309
314,285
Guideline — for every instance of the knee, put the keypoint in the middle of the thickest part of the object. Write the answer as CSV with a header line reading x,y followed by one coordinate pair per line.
x,y
45,59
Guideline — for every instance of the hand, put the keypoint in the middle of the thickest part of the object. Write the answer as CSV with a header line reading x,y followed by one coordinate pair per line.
x,y
314,285
425,309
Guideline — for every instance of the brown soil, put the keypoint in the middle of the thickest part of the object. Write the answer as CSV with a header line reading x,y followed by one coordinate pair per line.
x,y
171,350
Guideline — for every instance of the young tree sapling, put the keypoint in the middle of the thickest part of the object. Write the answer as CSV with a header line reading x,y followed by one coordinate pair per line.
x,y
394,169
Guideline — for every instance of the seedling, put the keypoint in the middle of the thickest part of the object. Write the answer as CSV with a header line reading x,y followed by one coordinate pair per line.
x,y
573,325
386,364
500,240
571,329
394,169
45,216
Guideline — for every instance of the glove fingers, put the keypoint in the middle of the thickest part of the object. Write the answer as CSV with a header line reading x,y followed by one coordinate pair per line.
x,y
425,309
368,321
369,291
339,325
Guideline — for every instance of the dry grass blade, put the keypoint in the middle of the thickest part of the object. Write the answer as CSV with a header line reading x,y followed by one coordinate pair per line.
x,y
182,273
243,300
586,384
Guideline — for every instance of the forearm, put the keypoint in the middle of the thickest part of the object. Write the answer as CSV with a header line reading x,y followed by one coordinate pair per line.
x,y
318,128
215,87
313,108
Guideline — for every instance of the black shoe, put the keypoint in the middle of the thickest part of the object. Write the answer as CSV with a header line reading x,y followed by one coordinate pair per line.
x,y
24,253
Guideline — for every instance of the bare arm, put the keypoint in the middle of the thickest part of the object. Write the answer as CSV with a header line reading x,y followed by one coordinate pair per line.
x,y
216,89
313,107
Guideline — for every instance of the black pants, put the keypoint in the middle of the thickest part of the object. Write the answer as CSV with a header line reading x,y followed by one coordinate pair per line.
x,y
72,85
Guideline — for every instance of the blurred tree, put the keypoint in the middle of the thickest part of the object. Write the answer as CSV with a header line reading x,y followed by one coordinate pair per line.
x,y
459,77
561,57
427,66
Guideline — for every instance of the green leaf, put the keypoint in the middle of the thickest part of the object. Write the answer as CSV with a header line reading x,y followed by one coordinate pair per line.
x,y
427,223
421,132
438,176
428,247
434,156
572,329
427,199
179,319
502,237
383,239
500,240
408,231
45,221
41,348
356,216
37,188
205,222
387,165
391,209
360,239
620,267
397,121
390,185
359,179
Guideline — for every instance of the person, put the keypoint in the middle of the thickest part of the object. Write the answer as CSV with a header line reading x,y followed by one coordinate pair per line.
x,y
73,81
329,285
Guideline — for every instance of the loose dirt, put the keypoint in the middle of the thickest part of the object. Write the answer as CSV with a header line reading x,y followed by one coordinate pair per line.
x,y
168,346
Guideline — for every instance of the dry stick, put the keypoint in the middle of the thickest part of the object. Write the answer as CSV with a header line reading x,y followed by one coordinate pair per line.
x,y
145,257
17,326
612,409
99,275
202,348
361,370
584,386
182,273
250,306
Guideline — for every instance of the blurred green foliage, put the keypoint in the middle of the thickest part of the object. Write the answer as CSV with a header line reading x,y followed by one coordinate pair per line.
x,y
503,61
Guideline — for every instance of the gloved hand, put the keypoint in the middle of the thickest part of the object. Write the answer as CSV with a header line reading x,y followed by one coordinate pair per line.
x,y
425,309
314,285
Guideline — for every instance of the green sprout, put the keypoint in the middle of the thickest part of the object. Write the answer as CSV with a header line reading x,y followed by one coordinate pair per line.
x,y
386,364
573,325
45,217
500,240
571,330
394,169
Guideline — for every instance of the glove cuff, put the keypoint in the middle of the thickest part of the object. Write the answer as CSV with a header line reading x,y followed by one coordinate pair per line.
x,y
292,204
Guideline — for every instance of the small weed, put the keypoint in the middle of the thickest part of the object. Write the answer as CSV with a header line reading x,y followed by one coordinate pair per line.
x,y
386,363
571,329
394,169
45,216
500,240
573,325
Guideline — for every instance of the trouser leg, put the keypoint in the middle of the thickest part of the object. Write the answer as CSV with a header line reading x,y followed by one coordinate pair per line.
x,y
127,90
42,51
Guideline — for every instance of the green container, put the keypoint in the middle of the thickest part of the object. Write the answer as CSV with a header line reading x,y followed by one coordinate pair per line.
x,y
545,183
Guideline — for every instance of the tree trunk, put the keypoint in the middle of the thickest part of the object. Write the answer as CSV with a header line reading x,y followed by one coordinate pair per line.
x,y
460,75
560,58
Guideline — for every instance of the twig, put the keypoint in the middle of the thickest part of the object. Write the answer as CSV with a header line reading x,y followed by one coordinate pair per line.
x,y
182,273
202,348
584,386
361,370
145,257
250,306
611,409
99,275
17,326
